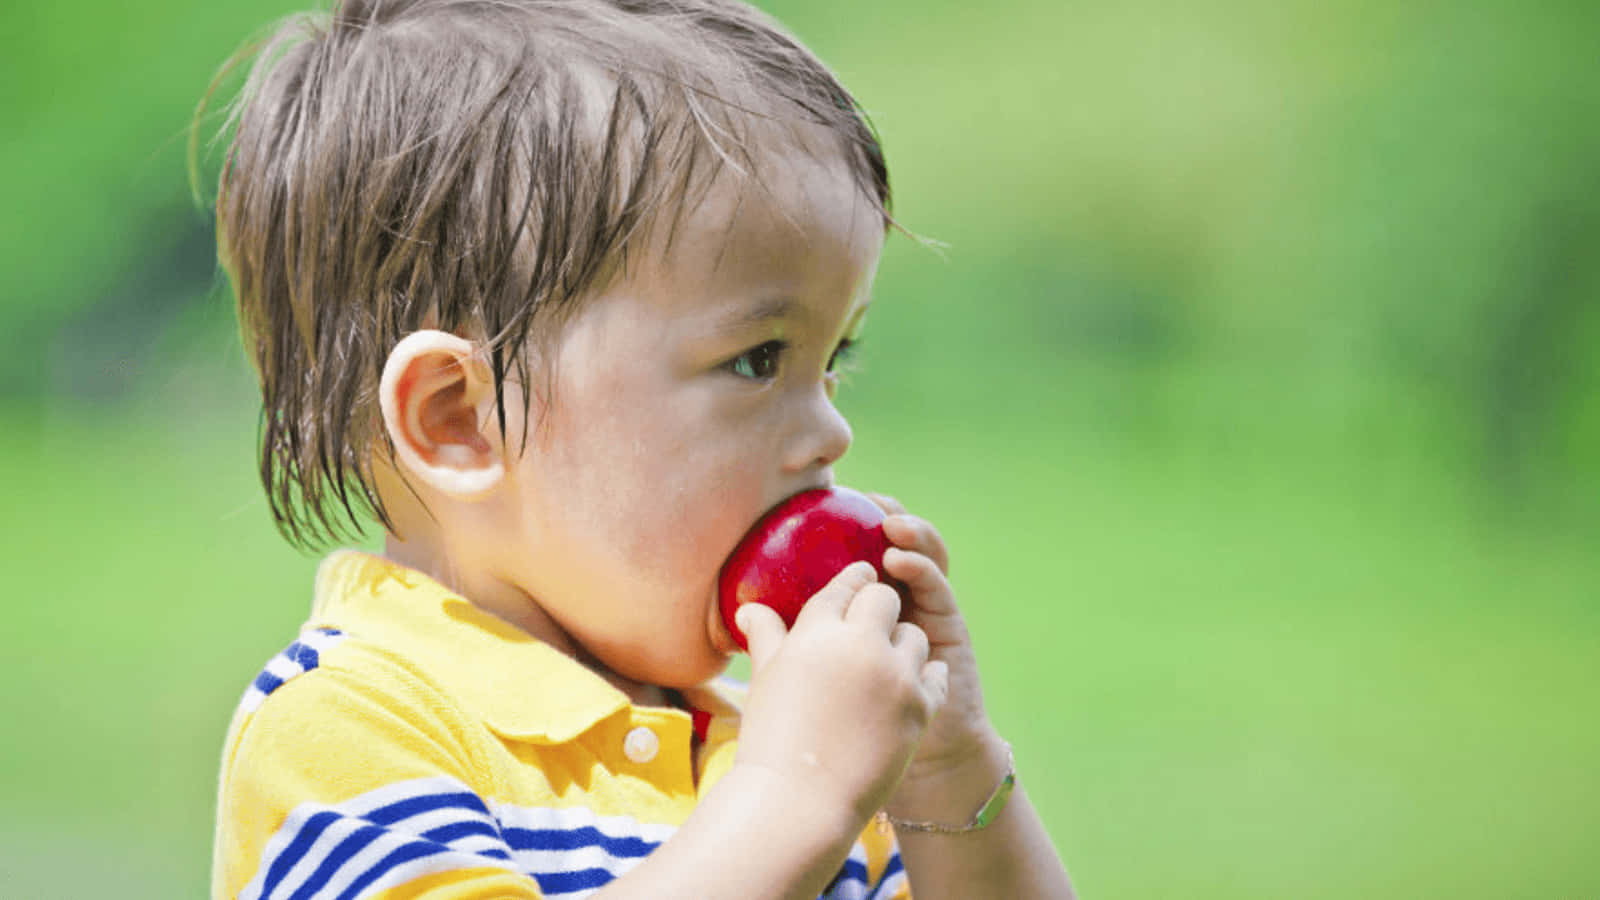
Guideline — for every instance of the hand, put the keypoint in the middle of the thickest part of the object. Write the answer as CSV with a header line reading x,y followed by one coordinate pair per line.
x,y
961,739
838,704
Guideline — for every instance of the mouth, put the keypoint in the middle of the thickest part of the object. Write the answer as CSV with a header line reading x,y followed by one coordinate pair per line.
x,y
720,634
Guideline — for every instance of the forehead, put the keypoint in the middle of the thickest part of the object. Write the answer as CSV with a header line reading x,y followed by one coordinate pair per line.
x,y
796,225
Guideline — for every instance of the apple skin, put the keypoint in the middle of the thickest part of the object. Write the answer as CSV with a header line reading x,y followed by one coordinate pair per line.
x,y
794,550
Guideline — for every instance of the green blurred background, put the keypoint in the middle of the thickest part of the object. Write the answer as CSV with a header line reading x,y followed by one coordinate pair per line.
x,y
1257,394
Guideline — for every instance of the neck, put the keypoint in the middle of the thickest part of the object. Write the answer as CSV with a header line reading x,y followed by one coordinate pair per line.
x,y
510,604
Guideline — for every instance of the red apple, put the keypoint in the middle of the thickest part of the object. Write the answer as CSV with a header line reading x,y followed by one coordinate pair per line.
x,y
795,550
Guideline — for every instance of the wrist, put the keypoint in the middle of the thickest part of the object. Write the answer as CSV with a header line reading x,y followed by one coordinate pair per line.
x,y
813,811
953,787
755,833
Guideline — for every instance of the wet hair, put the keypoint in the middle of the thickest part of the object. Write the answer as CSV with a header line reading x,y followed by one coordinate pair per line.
x,y
477,166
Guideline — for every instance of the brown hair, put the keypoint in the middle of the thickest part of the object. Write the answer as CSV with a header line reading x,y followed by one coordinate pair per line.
x,y
477,166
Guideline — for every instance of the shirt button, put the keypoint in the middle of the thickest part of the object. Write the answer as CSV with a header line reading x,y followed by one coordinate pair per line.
x,y
641,745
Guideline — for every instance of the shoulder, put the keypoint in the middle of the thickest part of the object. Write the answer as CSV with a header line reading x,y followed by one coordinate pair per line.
x,y
328,689
335,735
303,655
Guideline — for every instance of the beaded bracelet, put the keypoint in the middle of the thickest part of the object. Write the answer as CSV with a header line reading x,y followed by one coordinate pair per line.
x,y
986,814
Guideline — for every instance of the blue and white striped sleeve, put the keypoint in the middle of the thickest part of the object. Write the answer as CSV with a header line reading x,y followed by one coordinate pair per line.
x,y
334,789
384,839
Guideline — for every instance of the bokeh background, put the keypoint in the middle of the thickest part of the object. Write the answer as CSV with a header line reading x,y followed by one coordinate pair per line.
x,y
1257,393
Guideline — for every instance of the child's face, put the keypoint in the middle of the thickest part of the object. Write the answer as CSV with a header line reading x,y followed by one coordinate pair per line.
x,y
690,397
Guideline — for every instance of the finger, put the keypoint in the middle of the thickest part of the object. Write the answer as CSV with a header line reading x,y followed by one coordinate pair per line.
x,y
912,642
929,588
910,532
888,504
763,631
876,605
836,594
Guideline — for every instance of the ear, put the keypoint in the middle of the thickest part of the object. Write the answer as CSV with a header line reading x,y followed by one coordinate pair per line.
x,y
437,399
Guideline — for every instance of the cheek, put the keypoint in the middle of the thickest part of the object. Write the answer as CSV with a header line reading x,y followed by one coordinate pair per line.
x,y
655,481
678,516
636,490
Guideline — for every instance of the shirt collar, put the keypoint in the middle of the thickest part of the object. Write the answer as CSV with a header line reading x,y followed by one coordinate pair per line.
x,y
522,688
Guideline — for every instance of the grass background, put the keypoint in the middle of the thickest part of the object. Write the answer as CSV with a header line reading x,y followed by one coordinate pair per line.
x,y
1257,396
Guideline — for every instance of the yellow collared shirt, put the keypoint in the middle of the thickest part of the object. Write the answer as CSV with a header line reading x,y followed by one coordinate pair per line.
x,y
409,744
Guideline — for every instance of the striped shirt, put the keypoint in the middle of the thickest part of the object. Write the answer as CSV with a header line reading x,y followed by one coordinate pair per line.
x,y
409,744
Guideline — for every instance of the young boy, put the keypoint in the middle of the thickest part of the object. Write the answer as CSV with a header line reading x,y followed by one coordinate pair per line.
x,y
556,292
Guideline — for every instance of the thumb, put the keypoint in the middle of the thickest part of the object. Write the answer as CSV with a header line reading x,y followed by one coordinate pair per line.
x,y
763,632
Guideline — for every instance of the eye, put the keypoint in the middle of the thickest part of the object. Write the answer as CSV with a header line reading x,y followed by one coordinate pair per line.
x,y
843,355
759,363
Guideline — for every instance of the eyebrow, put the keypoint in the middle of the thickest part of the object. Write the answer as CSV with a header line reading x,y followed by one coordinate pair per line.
x,y
759,313
770,309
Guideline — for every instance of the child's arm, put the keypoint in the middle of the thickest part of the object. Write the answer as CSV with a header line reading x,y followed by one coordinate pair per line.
x,y
836,708
1012,857
961,760
824,738
754,835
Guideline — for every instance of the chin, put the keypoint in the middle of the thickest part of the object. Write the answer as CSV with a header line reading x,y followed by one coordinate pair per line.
x,y
683,672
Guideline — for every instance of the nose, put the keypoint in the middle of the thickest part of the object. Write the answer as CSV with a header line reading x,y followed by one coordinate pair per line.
x,y
821,438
